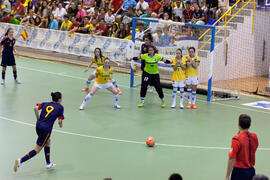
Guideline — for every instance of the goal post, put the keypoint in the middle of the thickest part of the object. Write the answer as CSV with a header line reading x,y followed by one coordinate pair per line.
x,y
181,25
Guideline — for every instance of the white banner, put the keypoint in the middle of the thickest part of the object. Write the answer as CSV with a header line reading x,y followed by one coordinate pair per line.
x,y
84,44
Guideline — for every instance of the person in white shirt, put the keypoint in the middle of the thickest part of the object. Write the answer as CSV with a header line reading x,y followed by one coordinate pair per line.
x,y
60,12
178,10
157,36
140,33
109,18
141,7
153,25
7,6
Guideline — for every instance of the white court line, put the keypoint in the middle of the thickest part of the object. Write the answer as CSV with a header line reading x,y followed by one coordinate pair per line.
x,y
123,140
76,77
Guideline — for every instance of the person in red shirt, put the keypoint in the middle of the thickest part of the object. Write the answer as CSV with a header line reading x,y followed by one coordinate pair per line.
x,y
74,26
155,6
116,4
18,10
102,28
242,157
5,18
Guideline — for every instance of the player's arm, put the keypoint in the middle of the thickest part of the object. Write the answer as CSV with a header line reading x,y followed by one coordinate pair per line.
x,y
232,156
189,61
89,65
115,62
36,110
195,63
229,168
183,66
61,118
166,61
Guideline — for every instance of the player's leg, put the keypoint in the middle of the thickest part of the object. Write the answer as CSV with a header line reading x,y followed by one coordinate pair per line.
x,y
3,74
88,82
43,137
15,74
47,151
194,91
95,88
156,82
113,89
182,93
174,93
144,85
189,90
117,87
29,155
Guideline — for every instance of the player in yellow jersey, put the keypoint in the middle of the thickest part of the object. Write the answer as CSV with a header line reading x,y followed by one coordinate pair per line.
x,y
178,77
192,77
103,80
98,59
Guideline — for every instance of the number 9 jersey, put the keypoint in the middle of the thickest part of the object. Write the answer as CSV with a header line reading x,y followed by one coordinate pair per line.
x,y
50,111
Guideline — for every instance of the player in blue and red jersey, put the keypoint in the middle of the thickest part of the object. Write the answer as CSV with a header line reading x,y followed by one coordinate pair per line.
x,y
50,111
8,58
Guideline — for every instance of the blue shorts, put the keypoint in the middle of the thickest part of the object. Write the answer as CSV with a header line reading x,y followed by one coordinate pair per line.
x,y
8,60
242,174
43,136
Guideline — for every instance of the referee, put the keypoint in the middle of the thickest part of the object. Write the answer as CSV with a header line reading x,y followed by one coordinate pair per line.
x,y
151,74
242,157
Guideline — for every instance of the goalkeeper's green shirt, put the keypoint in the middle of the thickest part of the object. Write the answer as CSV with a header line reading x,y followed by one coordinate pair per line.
x,y
151,64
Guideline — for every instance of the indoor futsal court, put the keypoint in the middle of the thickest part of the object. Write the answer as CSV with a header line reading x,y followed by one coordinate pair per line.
x,y
102,142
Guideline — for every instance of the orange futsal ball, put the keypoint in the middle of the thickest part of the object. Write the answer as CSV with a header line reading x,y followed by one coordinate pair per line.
x,y
150,141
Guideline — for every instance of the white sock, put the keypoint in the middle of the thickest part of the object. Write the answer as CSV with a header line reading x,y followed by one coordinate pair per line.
x,y
142,99
193,97
182,96
88,83
86,99
174,95
116,99
114,83
189,95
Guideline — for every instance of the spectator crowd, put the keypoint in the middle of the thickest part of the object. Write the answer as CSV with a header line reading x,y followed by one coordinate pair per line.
x,y
113,18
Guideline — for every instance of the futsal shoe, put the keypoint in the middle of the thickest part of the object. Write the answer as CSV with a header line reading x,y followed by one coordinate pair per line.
x,y
140,104
17,81
163,104
189,106
17,164
119,92
50,166
81,107
194,106
85,89
2,82
117,106
181,106
173,105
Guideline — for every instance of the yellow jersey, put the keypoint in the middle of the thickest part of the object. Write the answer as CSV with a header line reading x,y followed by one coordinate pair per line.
x,y
99,62
103,76
66,25
179,74
191,71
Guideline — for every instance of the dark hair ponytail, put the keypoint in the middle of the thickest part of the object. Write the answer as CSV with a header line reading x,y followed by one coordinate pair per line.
x,y
9,29
56,96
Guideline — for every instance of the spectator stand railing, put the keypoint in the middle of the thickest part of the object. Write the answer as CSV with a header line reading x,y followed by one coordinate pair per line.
x,y
213,28
226,21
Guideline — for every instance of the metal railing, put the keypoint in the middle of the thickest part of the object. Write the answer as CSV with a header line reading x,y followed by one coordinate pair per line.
x,y
228,12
